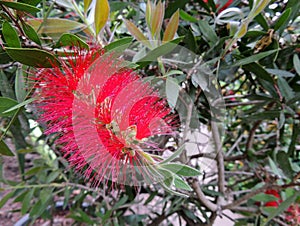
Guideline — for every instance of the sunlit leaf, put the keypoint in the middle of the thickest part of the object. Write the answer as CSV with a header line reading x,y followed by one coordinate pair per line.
x,y
86,4
55,25
157,19
101,14
171,27
137,33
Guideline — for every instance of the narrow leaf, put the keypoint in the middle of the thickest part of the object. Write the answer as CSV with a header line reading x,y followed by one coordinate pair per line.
x,y
15,107
55,25
20,6
171,27
283,206
6,198
10,35
182,170
124,42
31,33
137,33
26,201
181,184
159,51
149,11
282,19
4,149
284,163
86,4
187,17
253,58
157,19
174,155
32,57
208,33
20,86
286,91
5,104
71,40
296,62
101,14
172,91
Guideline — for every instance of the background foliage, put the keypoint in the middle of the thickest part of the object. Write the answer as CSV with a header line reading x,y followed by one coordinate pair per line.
x,y
253,51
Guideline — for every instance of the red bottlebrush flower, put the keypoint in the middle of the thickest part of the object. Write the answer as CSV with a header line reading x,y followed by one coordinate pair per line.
x,y
273,203
104,117
227,4
293,214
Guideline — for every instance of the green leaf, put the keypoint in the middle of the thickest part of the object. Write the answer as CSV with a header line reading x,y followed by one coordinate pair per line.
x,y
168,176
187,17
101,14
253,58
282,19
259,71
174,155
262,21
262,197
121,43
30,2
20,86
19,105
296,62
5,104
264,115
26,201
283,206
55,25
32,57
285,90
31,33
172,91
284,163
208,33
4,149
181,184
10,35
172,191
71,40
159,51
6,198
281,73
20,6
180,169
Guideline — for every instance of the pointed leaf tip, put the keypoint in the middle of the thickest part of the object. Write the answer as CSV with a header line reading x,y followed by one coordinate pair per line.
x,y
171,27
101,14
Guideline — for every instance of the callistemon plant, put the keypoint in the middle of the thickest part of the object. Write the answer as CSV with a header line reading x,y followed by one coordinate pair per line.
x,y
105,118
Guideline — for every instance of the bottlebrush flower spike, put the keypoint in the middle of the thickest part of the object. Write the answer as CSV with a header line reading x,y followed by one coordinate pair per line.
x,y
104,117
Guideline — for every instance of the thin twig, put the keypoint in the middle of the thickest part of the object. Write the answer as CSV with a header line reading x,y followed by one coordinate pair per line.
x,y
202,198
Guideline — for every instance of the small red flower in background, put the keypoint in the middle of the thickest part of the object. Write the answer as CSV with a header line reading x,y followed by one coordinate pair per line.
x,y
225,6
273,203
293,215
104,117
